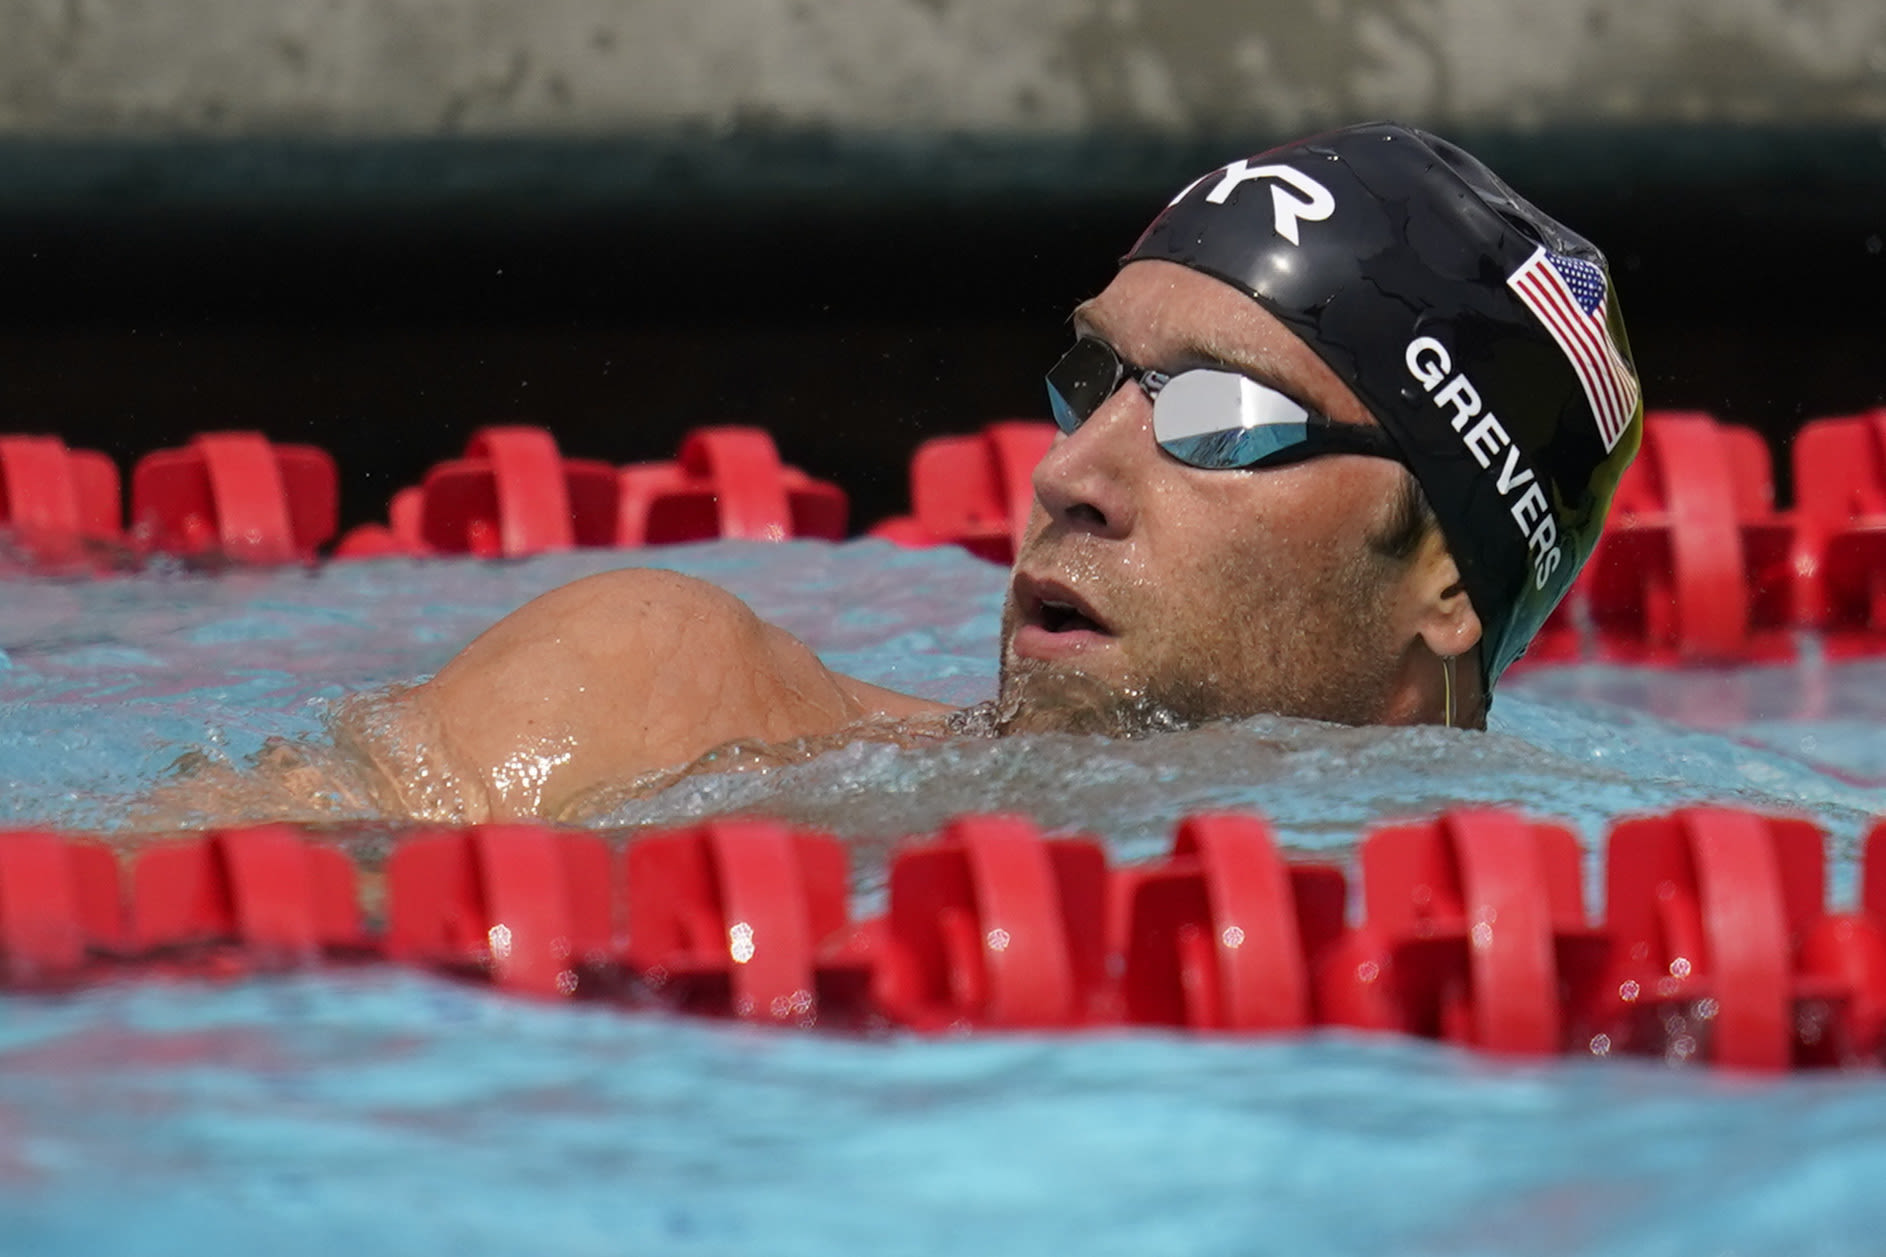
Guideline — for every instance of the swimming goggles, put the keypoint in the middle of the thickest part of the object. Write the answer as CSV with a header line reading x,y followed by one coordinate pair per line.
x,y
1207,418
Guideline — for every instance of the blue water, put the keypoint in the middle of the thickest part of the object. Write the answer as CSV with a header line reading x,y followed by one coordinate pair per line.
x,y
384,1112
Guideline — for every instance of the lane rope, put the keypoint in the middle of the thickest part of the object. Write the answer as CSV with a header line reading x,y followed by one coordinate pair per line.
x,y
1719,946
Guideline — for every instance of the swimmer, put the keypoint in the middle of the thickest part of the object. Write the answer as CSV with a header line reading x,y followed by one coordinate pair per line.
x,y
1334,442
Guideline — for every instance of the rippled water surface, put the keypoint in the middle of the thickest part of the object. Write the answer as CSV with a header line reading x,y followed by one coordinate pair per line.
x,y
393,1113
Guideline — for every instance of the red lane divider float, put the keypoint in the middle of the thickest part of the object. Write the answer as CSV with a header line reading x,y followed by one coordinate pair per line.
x,y
740,918
1475,933
973,491
263,891
1706,910
726,482
56,500
1719,948
59,906
514,494
1225,935
237,496
1839,557
1692,565
994,926
529,907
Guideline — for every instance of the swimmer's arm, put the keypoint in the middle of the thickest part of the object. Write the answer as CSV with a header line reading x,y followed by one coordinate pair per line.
x,y
622,674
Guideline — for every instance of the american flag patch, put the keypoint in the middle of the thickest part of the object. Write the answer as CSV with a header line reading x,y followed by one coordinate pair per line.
x,y
1567,295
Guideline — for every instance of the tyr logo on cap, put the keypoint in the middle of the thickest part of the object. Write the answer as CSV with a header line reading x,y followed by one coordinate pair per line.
x,y
1313,205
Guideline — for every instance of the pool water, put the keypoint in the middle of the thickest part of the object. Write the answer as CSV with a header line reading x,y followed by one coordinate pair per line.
x,y
382,1112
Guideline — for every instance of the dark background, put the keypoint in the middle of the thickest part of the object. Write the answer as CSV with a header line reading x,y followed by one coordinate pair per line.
x,y
384,301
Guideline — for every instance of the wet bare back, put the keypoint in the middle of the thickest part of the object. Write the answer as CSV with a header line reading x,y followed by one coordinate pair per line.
x,y
602,682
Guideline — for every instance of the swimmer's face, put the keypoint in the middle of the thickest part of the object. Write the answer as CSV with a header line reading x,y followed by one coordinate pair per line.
x,y
1147,592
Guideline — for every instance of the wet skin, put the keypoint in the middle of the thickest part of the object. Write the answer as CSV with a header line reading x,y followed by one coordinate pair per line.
x,y
1145,592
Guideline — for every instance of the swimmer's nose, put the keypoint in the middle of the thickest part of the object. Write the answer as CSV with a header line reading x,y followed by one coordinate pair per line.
x,y
1086,481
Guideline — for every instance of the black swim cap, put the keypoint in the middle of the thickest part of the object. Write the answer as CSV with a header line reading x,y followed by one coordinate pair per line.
x,y
1483,335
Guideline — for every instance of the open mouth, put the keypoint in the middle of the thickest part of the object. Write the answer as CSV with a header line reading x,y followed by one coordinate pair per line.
x,y
1054,608
1065,617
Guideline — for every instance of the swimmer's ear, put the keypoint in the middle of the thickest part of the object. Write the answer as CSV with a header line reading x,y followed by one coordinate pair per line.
x,y
1444,616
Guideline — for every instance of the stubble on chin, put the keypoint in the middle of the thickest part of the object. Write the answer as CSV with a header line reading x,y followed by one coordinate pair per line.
x,y
1061,696
1036,696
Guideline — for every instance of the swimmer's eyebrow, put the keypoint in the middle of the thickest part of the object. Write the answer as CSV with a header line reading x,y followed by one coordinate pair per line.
x,y
1198,351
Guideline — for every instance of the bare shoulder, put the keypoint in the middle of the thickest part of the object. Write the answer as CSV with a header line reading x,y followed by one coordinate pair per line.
x,y
624,673
613,610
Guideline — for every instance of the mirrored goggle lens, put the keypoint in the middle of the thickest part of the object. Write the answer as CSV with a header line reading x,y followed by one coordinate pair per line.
x,y
1218,420
1082,381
